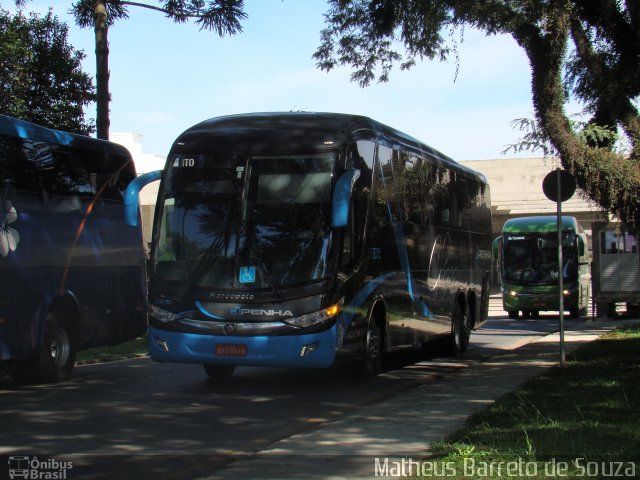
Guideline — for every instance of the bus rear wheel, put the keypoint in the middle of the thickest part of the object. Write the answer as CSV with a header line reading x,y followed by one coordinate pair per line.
x,y
513,314
58,355
461,330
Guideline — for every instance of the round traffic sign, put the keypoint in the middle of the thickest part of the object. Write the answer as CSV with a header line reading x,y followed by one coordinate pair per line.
x,y
567,185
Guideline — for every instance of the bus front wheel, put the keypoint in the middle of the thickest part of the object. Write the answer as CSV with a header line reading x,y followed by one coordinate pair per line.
x,y
58,355
371,363
513,314
461,330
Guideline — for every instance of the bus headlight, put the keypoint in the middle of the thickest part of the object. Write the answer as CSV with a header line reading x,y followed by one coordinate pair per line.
x,y
565,292
314,318
513,293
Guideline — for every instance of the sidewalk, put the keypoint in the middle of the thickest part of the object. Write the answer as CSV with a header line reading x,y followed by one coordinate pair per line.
x,y
404,426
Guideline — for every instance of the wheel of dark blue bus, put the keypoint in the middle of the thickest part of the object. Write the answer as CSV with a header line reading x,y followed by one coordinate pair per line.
x,y
513,314
461,330
371,363
535,313
219,372
58,355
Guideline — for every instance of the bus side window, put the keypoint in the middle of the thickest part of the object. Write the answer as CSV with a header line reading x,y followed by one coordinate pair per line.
x,y
463,202
18,176
363,160
441,182
382,236
385,198
411,183
66,179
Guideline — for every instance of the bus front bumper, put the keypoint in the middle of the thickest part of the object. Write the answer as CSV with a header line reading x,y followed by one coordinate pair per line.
x,y
536,301
315,350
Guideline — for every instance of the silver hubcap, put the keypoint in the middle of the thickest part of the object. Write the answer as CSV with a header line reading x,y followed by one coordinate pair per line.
x,y
59,346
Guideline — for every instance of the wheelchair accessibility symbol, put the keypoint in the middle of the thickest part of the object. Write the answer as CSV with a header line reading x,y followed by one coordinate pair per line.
x,y
247,274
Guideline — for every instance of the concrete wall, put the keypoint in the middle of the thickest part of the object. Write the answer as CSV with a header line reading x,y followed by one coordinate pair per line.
x,y
516,191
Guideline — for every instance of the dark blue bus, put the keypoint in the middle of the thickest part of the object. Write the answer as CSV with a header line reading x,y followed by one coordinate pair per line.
x,y
72,272
307,239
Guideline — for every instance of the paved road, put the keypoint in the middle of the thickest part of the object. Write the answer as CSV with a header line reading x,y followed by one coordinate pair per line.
x,y
158,418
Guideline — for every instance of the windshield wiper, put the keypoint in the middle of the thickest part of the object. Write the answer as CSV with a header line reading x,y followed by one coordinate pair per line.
x,y
253,254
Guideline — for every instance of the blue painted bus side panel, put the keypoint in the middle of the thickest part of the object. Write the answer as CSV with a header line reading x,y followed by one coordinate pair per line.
x,y
72,245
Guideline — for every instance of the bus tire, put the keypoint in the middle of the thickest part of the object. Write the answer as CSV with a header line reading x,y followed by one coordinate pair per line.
x,y
58,355
219,372
461,330
513,314
371,363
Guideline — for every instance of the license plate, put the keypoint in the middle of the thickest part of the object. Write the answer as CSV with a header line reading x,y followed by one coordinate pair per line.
x,y
539,304
231,350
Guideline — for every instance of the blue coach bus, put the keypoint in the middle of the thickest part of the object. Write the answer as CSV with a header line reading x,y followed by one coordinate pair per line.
x,y
72,272
304,239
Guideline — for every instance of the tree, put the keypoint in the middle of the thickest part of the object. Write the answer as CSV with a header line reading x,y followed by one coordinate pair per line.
x,y
221,16
41,79
601,70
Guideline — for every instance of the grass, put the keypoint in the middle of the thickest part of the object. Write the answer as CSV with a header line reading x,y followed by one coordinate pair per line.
x,y
131,349
577,421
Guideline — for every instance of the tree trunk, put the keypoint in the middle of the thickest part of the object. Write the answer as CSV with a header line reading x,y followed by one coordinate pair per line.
x,y
608,178
102,70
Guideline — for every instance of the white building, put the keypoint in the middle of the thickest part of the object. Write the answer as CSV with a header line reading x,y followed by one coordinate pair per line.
x,y
516,191
145,162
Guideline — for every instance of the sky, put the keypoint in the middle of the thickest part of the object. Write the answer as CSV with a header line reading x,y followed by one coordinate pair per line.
x,y
166,77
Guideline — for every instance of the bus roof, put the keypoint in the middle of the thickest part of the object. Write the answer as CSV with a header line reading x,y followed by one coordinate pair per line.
x,y
20,128
547,223
273,129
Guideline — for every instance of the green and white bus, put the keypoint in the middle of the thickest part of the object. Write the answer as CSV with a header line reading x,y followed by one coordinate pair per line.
x,y
527,252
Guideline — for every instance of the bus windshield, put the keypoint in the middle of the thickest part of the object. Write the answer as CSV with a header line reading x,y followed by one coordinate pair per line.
x,y
532,258
259,222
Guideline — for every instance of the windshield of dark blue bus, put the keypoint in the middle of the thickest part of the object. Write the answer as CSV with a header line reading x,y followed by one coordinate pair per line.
x,y
532,258
235,222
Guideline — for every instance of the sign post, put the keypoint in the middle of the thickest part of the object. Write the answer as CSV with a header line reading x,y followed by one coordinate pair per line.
x,y
559,186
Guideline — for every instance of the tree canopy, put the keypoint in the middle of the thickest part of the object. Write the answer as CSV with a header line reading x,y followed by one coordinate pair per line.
x,y
582,48
220,16
41,79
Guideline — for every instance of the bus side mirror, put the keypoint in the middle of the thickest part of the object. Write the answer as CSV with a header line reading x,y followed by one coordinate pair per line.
x,y
342,198
132,196
495,247
581,247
